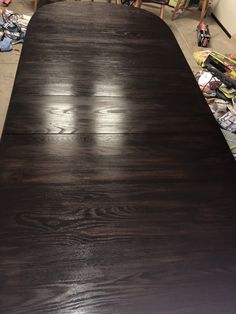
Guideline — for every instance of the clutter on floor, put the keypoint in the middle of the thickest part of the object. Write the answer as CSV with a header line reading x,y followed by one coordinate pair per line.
x,y
203,35
12,29
217,81
127,2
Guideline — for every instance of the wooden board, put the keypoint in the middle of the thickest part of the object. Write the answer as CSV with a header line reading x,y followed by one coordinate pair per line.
x,y
117,187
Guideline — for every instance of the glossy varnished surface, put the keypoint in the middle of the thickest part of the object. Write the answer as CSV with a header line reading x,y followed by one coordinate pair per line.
x,y
116,185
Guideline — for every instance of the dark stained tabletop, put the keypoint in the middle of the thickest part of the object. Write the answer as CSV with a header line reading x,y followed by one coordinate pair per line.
x,y
117,188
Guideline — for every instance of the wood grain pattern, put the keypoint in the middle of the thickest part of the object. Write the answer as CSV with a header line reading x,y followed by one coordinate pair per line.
x,y
67,114
108,158
117,187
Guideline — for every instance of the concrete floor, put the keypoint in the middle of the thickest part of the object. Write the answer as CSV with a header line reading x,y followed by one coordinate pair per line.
x,y
183,27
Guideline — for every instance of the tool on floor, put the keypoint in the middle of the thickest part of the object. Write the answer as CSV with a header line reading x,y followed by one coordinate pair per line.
x,y
6,3
222,67
203,35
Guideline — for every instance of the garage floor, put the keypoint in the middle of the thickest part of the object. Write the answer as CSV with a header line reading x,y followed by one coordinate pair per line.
x,y
184,29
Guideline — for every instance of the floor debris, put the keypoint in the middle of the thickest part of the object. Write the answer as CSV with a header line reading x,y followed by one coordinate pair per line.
x,y
217,81
12,29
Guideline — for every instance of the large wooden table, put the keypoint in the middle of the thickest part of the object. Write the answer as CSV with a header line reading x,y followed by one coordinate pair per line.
x,y
117,189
